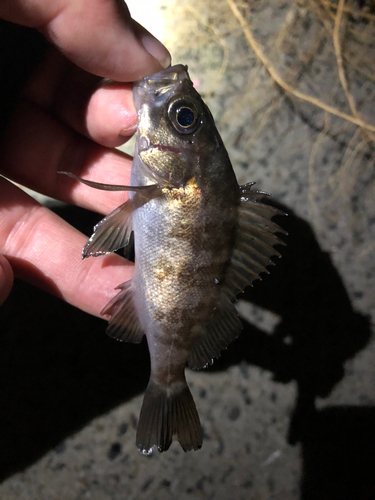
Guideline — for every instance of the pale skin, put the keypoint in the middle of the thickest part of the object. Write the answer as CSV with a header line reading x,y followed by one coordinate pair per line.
x,y
58,133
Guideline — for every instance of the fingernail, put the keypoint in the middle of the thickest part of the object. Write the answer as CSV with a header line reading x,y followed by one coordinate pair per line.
x,y
128,131
156,49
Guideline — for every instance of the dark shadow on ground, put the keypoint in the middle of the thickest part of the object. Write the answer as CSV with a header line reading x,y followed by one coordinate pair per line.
x,y
338,446
318,332
58,370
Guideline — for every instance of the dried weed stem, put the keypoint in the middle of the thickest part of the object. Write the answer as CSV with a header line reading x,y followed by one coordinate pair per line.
x,y
354,12
283,84
340,66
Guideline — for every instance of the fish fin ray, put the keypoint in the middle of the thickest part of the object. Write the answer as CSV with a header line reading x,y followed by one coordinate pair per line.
x,y
223,327
123,323
112,187
128,249
254,244
111,233
168,413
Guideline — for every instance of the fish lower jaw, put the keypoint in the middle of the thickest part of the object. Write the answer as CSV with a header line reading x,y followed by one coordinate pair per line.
x,y
144,145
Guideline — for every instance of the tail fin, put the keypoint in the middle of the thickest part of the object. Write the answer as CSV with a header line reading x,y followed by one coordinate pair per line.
x,y
168,412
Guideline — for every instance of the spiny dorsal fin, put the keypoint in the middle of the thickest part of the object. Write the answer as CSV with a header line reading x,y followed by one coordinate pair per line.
x,y
123,324
111,233
223,327
254,242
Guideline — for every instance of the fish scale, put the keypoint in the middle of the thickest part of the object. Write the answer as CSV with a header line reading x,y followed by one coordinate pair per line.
x,y
199,240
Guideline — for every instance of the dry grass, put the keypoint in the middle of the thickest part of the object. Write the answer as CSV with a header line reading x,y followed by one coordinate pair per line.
x,y
354,117
344,42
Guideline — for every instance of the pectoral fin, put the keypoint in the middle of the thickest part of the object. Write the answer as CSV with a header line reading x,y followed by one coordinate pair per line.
x,y
123,323
113,187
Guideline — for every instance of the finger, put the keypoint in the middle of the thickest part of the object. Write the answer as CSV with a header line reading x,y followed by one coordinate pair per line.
x,y
6,278
111,118
46,251
97,35
49,146
104,113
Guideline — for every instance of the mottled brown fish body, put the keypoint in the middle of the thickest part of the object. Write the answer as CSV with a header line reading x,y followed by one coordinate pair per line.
x,y
182,255
180,268
199,240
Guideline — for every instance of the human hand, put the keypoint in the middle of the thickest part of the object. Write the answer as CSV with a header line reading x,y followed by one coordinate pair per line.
x,y
66,119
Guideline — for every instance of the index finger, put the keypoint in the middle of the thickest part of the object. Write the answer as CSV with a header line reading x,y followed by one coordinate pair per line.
x,y
46,251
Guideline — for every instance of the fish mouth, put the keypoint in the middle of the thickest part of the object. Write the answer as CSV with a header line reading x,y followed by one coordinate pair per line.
x,y
165,78
171,74
145,145
155,89
165,147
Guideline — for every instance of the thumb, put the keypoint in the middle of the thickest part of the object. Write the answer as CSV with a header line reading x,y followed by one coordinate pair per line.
x,y
97,35
6,278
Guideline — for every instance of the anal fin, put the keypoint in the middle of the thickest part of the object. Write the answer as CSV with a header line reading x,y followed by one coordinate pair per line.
x,y
123,323
223,327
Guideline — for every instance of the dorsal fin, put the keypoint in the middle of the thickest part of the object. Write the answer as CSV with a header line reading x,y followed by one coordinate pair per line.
x,y
254,242
253,248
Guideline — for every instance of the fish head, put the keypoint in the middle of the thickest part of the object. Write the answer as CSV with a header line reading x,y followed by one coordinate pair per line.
x,y
176,131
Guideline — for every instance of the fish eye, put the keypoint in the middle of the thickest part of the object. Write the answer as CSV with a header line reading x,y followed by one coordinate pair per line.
x,y
184,115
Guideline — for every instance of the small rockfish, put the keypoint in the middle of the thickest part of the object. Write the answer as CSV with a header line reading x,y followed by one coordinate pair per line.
x,y
199,240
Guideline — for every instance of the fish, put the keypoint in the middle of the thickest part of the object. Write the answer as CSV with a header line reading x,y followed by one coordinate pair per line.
x,y
198,238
